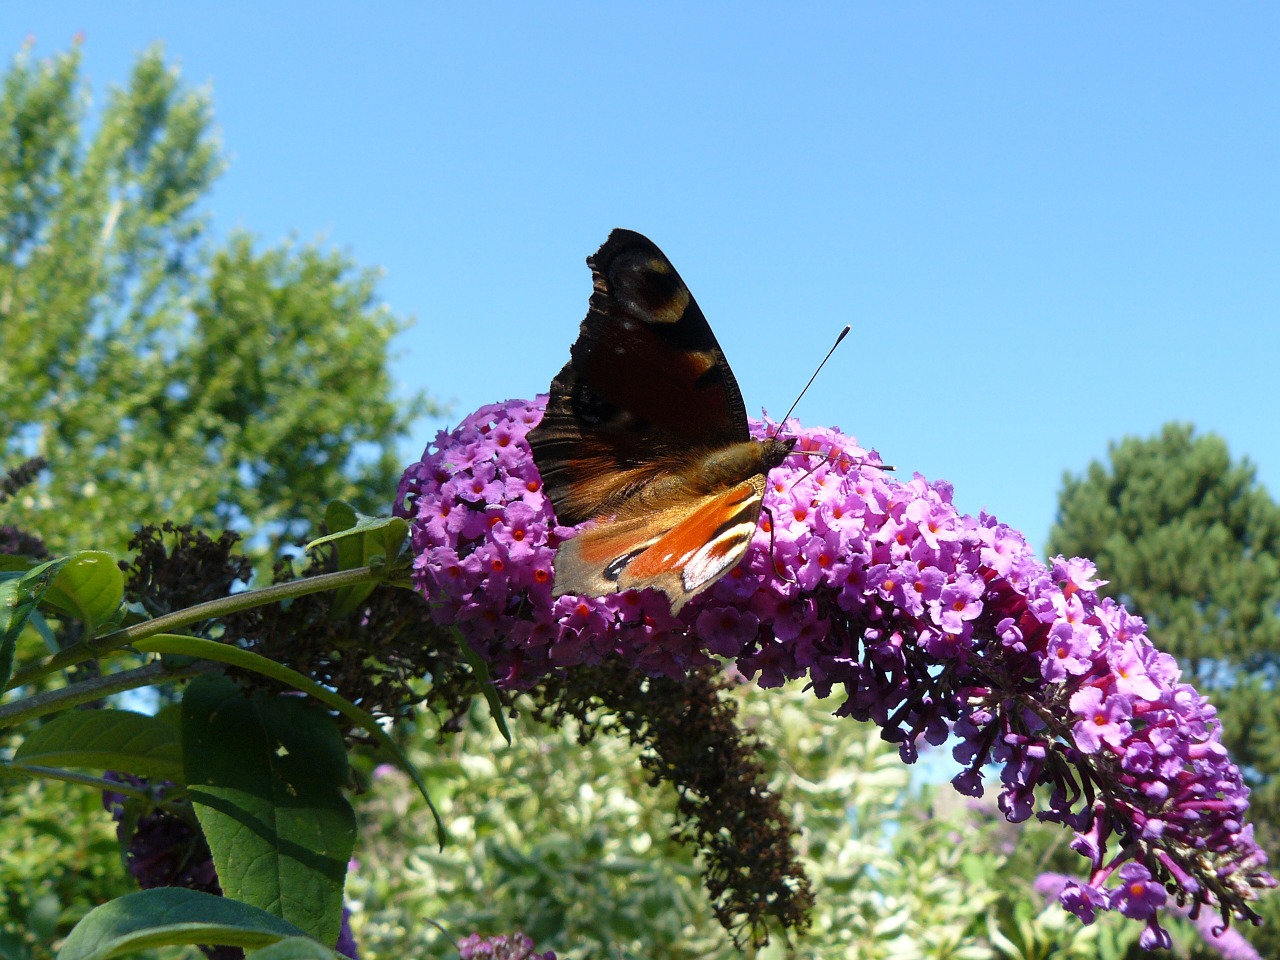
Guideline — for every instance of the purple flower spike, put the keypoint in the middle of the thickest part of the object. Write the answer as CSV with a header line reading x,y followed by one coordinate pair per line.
x,y
920,616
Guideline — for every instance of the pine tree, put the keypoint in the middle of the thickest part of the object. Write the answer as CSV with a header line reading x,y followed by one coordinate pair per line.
x,y
1189,539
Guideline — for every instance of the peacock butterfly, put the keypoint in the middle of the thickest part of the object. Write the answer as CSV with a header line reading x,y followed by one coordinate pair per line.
x,y
646,434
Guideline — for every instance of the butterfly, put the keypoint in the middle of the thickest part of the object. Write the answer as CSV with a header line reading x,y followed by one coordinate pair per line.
x,y
645,433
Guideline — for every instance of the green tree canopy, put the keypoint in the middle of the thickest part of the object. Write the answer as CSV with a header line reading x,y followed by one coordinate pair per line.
x,y
1189,540
153,365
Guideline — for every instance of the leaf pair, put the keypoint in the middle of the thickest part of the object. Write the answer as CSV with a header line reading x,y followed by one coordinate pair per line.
x,y
265,775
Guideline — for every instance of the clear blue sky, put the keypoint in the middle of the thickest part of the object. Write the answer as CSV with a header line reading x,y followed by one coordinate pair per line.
x,y
1050,225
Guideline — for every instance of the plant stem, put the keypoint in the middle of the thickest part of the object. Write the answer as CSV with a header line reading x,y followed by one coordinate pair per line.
x,y
245,600
98,783
96,688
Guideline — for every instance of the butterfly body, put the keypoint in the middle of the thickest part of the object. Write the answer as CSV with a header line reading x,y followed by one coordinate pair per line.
x,y
645,432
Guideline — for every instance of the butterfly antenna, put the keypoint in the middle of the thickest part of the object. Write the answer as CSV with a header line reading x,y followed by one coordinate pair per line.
x,y
843,333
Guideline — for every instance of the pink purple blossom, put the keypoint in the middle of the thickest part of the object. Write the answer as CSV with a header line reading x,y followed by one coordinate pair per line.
x,y
1229,943
924,620
514,946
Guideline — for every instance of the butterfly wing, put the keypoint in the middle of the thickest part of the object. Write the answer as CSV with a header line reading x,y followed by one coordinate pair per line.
x,y
647,384
680,550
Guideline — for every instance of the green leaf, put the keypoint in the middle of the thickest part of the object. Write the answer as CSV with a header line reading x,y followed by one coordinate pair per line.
x,y
247,660
18,598
106,740
480,667
90,587
361,542
169,916
11,561
295,948
390,532
265,774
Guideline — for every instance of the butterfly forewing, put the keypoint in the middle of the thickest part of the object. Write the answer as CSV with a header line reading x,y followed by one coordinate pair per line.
x,y
646,352
646,379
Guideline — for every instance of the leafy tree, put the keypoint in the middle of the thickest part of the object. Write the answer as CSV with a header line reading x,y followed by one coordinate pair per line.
x,y
162,373
1190,541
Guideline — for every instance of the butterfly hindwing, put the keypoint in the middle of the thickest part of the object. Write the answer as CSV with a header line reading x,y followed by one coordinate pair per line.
x,y
681,550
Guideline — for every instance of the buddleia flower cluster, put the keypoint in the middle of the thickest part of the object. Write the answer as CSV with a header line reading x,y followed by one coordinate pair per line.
x,y
930,622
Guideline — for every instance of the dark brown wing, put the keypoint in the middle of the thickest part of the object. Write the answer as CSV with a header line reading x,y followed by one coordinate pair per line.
x,y
647,385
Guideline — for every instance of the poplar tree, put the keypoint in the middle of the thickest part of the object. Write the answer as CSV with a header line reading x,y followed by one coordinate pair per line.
x,y
163,372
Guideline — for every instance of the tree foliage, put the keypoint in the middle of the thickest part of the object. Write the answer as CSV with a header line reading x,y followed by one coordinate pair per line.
x,y
1189,540
164,373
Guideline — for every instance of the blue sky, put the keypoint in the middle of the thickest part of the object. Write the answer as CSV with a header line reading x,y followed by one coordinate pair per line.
x,y
1049,225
